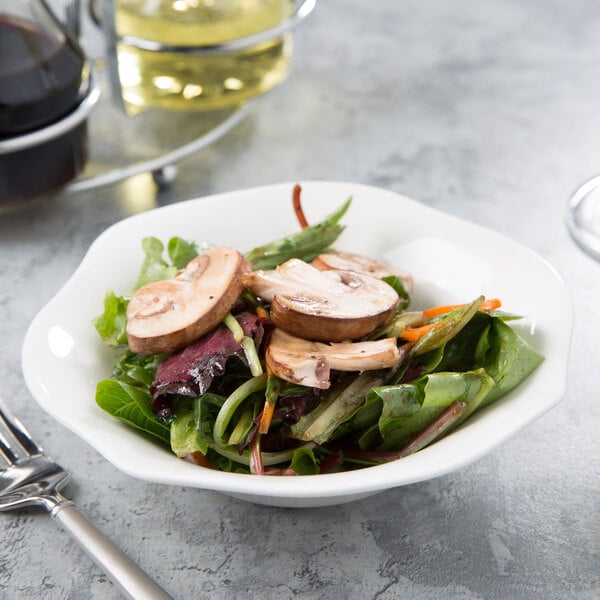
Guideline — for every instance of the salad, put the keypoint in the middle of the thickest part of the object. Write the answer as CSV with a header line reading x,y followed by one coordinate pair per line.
x,y
296,358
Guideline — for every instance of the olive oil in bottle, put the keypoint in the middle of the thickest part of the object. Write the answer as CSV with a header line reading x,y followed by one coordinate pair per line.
x,y
187,81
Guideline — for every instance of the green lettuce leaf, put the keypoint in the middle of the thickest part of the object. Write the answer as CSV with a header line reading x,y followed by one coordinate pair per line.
x,y
193,422
154,267
206,409
181,251
184,437
304,462
133,405
111,324
136,369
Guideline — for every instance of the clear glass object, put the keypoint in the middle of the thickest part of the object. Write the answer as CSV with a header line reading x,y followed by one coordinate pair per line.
x,y
41,67
173,54
583,217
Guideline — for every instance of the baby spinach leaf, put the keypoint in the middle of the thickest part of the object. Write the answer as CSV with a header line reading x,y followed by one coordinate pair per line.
x,y
409,408
488,342
131,404
509,359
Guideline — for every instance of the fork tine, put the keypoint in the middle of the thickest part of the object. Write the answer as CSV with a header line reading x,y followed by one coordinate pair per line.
x,y
6,451
12,428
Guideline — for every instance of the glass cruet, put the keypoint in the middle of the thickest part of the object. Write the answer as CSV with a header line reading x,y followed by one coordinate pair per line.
x,y
46,91
42,67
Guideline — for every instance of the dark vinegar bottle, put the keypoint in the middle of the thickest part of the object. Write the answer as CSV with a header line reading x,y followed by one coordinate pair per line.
x,y
40,76
42,80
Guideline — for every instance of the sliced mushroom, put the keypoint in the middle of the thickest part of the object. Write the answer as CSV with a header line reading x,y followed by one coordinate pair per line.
x,y
361,264
167,315
309,363
324,305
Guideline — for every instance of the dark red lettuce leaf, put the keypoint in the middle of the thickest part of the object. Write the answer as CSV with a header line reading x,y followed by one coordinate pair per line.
x,y
291,408
190,371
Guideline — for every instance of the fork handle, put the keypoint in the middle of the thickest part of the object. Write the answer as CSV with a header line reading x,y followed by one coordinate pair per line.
x,y
122,571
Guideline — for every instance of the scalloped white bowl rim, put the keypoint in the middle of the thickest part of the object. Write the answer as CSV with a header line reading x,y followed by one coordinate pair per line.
x,y
451,260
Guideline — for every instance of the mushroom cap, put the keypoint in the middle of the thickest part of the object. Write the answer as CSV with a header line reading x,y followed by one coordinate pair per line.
x,y
331,305
349,261
164,316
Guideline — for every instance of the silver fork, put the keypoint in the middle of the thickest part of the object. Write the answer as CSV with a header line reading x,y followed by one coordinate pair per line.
x,y
30,478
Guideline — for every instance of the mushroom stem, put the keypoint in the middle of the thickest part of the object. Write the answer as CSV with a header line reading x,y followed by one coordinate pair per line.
x,y
309,363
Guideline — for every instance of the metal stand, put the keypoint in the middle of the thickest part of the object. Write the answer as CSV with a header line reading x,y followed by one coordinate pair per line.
x,y
121,146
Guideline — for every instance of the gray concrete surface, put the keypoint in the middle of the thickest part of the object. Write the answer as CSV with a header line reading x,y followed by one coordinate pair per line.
x,y
486,110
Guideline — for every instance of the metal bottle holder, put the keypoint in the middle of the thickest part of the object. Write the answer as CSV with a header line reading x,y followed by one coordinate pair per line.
x,y
89,92
119,144
210,126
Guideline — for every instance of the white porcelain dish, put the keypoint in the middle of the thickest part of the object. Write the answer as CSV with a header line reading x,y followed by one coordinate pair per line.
x,y
451,261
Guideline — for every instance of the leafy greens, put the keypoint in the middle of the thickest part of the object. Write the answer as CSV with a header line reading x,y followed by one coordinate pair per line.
x,y
465,360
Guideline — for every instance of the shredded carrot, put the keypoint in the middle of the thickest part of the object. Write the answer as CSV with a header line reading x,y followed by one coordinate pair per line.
x,y
436,311
271,395
267,415
412,334
200,459
298,206
261,312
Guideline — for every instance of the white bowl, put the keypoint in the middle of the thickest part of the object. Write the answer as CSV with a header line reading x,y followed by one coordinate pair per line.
x,y
451,260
